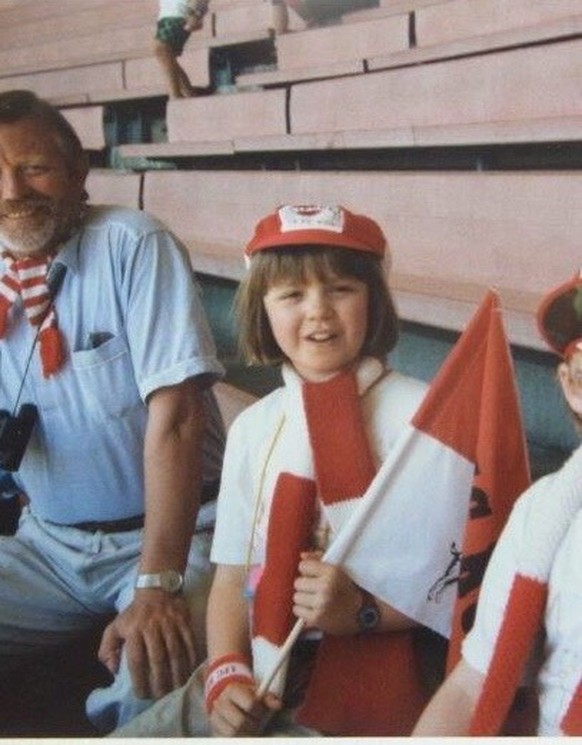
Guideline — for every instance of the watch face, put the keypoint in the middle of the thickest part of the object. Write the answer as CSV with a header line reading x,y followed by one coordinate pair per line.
x,y
368,618
171,581
369,613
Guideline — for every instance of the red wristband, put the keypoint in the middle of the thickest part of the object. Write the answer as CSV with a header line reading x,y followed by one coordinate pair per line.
x,y
230,668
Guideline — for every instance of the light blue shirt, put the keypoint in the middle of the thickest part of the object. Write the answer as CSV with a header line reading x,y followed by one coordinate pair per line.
x,y
130,312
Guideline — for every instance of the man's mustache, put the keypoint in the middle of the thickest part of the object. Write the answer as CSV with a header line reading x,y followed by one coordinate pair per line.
x,y
11,208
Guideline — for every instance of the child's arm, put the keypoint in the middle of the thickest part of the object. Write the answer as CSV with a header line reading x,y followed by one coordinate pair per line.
x,y
235,710
328,599
197,9
450,710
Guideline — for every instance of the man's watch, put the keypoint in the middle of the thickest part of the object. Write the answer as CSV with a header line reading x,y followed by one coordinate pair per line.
x,y
369,613
171,581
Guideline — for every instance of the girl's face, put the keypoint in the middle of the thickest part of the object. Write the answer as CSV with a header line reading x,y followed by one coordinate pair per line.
x,y
319,324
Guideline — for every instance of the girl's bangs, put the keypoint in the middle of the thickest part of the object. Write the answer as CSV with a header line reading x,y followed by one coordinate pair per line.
x,y
298,264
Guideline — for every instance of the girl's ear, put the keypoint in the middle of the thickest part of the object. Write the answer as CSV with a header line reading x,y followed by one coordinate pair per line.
x,y
570,377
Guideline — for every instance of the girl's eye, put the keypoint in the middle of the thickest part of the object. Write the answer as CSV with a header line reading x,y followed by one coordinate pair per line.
x,y
342,288
290,295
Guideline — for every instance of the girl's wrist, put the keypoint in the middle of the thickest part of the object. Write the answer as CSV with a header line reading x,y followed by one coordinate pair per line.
x,y
222,672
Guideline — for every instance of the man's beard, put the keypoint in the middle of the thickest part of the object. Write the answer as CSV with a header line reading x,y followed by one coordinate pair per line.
x,y
36,234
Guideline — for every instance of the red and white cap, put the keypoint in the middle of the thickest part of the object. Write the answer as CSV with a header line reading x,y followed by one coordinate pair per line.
x,y
324,225
559,317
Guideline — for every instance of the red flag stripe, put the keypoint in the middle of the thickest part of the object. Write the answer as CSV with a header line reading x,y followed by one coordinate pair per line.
x,y
450,411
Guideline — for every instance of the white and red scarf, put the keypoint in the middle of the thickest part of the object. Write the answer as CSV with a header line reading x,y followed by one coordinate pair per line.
x,y
27,278
548,522
365,684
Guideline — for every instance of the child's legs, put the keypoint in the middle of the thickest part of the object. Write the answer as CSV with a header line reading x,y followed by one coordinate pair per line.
x,y
170,68
168,46
179,714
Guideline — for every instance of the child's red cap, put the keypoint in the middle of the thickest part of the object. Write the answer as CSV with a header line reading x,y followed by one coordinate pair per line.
x,y
559,317
325,225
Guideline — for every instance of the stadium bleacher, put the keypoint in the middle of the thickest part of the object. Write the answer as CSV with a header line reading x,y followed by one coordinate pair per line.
x,y
457,124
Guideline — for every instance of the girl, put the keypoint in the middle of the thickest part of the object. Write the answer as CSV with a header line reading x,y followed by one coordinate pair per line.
x,y
316,302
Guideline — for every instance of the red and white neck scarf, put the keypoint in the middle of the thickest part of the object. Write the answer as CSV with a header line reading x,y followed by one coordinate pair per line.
x,y
27,278
365,684
548,522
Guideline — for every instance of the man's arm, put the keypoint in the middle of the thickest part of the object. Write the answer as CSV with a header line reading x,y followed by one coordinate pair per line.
x,y
450,710
156,628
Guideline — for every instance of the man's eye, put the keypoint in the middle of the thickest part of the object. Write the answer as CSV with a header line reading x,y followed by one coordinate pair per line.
x,y
35,170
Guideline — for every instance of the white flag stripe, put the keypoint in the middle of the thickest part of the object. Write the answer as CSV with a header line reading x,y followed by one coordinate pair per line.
x,y
425,486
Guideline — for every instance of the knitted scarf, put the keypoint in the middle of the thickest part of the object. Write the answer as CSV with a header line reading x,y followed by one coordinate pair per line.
x,y
365,684
547,525
27,278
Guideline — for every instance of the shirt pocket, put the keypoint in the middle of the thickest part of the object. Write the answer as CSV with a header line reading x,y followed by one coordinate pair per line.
x,y
105,379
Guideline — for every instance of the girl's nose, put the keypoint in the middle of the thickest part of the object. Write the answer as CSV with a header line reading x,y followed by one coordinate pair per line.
x,y
319,305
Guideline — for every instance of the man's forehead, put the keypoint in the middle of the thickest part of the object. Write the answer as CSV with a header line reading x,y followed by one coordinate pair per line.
x,y
30,137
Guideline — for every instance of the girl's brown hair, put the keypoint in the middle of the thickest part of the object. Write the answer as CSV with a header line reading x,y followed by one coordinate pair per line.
x,y
256,340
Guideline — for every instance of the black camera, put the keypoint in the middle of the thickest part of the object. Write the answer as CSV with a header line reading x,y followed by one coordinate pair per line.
x,y
15,433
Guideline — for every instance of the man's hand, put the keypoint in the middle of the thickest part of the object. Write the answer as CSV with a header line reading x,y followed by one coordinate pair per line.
x,y
238,712
156,630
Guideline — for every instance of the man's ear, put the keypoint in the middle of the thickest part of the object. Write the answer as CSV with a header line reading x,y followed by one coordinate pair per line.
x,y
571,387
82,168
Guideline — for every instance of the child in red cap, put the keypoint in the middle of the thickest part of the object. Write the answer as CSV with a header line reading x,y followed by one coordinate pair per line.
x,y
532,582
314,301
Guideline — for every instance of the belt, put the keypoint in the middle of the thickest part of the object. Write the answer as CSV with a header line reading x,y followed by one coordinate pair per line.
x,y
111,526
208,492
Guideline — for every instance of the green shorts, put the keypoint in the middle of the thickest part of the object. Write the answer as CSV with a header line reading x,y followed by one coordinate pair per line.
x,y
171,31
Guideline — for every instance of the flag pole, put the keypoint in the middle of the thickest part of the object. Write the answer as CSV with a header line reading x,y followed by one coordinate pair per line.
x,y
283,654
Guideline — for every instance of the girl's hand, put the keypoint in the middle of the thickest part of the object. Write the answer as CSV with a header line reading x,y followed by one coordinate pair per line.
x,y
325,596
238,712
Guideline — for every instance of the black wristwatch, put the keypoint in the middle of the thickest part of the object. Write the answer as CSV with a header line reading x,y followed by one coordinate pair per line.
x,y
369,613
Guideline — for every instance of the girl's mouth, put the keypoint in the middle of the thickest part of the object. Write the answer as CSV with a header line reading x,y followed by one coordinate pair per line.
x,y
321,336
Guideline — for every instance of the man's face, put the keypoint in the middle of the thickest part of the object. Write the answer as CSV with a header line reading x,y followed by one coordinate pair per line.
x,y
40,193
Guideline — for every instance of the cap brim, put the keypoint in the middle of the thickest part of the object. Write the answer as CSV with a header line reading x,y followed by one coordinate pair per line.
x,y
311,238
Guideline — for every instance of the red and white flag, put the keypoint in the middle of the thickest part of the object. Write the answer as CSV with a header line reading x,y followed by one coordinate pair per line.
x,y
446,489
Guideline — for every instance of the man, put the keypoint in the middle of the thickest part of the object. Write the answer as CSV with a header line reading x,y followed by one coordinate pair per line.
x,y
107,358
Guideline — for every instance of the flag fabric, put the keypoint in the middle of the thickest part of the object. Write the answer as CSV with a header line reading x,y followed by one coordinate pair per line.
x,y
448,486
